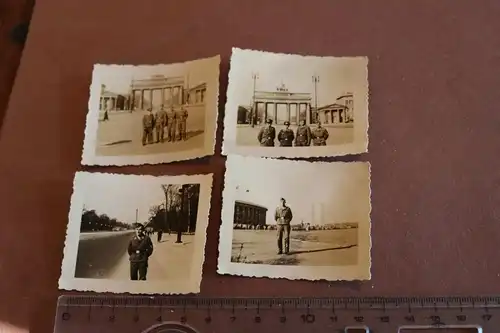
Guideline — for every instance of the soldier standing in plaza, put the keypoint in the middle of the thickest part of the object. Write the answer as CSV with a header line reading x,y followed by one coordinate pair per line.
x,y
148,122
267,134
160,123
171,123
283,216
319,135
286,136
181,116
303,135
139,250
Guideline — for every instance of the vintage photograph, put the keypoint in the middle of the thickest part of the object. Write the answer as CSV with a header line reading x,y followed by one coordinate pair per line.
x,y
136,234
282,105
152,113
295,220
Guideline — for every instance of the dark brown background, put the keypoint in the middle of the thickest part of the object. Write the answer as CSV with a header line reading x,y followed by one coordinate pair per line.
x,y
434,132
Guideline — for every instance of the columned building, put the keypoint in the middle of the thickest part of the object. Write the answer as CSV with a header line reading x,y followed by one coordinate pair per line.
x,y
111,101
246,213
347,99
282,105
331,114
196,95
156,91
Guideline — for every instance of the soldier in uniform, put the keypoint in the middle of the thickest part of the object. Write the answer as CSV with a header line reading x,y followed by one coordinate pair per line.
x,y
181,116
171,123
139,250
160,123
319,135
283,216
148,122
286,136
303,135
267,134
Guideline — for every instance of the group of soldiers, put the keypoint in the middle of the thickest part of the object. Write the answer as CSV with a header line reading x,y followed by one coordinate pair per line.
x,y
153,125
302,137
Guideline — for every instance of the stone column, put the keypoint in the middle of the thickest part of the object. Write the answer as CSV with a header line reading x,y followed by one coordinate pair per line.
x,y
141,102
275,106
288,112
151,98
162,96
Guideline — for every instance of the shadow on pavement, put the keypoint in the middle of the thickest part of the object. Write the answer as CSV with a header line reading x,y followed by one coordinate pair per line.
x,y
322,250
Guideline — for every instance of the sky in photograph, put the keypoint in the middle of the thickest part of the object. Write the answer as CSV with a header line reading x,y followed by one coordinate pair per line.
x,y
119,197
118,78
336,76
321,193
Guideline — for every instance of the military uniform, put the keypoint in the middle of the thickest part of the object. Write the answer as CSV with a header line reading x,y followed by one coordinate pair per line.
x,y
285,137
139,250
181,116
160,123
266,136
319,136
148,122
171,123
303,136
283,216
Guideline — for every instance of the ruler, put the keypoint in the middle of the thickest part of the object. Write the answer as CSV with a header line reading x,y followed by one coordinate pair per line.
x,y
158,314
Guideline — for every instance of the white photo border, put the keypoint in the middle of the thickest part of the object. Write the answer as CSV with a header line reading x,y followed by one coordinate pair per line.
x,y
89,156
361,271
361,125
67,280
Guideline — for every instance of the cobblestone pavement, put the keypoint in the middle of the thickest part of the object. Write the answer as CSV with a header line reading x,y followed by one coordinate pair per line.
x,y
307,248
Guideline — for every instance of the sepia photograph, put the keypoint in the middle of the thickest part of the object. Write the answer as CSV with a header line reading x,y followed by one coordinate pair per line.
x,y
282,105
152,114
296,220
136,234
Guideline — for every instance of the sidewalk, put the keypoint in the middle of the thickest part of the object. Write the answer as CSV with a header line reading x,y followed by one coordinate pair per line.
x,y
169,261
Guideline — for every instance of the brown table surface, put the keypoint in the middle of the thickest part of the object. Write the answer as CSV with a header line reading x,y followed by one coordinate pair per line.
x,y
434,133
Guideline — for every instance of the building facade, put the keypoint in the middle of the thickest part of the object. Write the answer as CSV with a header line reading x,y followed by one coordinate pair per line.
x,y
111,101
246,213
156,91
331,114
280,106
347,99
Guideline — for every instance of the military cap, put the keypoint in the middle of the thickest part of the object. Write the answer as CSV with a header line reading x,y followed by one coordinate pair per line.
x,y
287,123
269,121
139,226
150,109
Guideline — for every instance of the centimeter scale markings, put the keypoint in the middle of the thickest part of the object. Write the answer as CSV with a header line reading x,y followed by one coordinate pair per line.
x,y
200,314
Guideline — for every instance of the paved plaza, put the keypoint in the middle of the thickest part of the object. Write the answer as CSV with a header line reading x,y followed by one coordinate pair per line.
x,y
169,261
122,135
307,248
247,136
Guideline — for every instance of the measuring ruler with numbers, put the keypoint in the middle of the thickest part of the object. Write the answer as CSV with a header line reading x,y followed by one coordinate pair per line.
x,y
158,314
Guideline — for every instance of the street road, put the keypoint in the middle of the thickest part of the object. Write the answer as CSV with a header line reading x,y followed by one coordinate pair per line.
x,y
307,248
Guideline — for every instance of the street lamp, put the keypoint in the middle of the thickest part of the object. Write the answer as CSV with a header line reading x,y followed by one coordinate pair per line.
x,y
315,80
253,120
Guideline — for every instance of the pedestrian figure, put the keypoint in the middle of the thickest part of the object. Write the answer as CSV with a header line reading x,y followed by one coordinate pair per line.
x,y
267,134
303,135
283,216
319,135
171,123
160,123
181,117
286,136
148,122
106,116
140,249
159,234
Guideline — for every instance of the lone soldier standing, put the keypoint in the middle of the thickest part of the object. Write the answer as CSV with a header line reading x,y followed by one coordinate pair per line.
x,y
267,134
139,250
303,135
160,123
286,136
171,124
148,122
181,116
319,135
283,216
